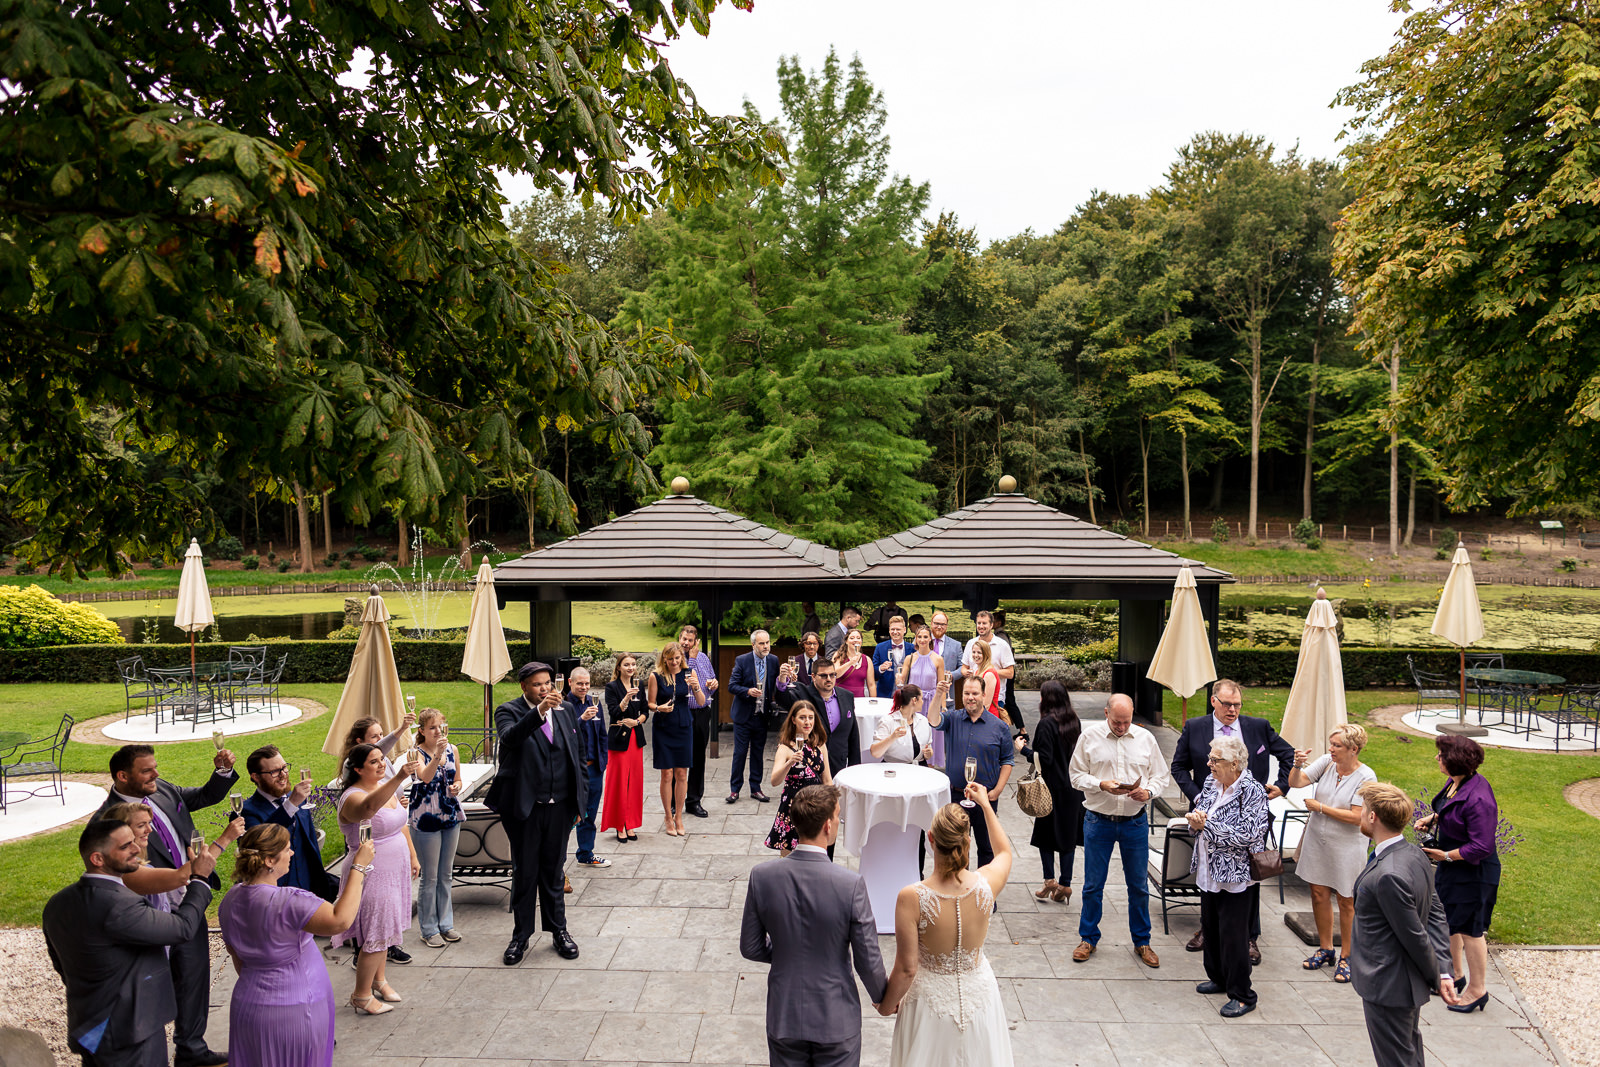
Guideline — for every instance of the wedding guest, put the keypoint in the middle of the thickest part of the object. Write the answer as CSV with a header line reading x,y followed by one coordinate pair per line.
x,y
1467,879
594,755
1118,766
879,622
622,810
849,619
274,802
810,652
949,650
899,737
385,912
982,667
855,668
1332,849
888,656
703,713
983,738
1008,694
281,1010
812,623
111,950
435,826
163,887
1005,664
752,684
136,779
1059,832
802,760
369,731
1230,821
923,668
669,687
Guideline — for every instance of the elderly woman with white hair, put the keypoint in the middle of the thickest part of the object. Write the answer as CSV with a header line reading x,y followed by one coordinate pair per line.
x,y
1332,852
1230,820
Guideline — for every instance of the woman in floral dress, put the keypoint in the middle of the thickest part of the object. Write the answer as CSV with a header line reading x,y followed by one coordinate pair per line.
x,y
802,760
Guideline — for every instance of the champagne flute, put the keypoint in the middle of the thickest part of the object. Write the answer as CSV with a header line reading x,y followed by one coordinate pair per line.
x,y
364,833
972,776
216,739
236,802
197,841
305,774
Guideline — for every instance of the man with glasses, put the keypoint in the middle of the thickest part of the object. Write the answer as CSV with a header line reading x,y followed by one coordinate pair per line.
x,y
1261,742
274,801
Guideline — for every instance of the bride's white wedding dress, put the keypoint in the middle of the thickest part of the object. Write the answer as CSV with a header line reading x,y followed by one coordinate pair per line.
x,y
952,1015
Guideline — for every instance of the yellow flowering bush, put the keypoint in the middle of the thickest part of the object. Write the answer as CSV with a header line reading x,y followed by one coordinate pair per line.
x,y
33,618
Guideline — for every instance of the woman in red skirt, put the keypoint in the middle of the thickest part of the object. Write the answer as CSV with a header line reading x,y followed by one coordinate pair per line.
x,y
622,808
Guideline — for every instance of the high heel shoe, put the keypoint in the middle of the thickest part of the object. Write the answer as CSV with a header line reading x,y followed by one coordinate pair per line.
x,y
1061,894
668,829
1461,983
1477,1005
363,1005
385,992
1047,889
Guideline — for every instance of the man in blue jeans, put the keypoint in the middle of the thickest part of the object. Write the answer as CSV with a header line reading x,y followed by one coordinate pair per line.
x,y
592,735
1119,767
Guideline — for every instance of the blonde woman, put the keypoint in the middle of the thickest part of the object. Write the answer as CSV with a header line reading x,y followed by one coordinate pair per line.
x,y
668,688
983,667
1333,851
163,887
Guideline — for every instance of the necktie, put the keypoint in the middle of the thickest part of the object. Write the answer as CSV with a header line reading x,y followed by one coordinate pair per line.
x,y
549,734
1227,731
167,842
1371,856
761,676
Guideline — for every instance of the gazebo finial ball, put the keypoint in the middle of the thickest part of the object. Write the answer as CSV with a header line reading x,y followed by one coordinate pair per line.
x,y
680,486
1008,484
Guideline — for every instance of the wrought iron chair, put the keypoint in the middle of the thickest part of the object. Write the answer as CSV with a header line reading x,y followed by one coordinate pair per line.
x,y
136,685
1169,873
1432,686
19,762
1579,706
264,686
182,695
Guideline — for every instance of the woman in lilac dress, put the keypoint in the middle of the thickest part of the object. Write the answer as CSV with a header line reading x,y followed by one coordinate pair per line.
x,y
925,669
385,913
281,1012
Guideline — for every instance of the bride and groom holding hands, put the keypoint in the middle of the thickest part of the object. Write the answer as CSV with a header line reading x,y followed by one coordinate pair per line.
x,y
811,920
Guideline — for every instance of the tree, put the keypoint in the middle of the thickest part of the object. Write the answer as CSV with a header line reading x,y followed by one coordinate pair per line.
x,y
1473,242
267,267
794,299
1243,217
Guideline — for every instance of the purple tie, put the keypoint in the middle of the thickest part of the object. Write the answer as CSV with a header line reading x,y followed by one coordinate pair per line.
x,y
549,734
177,854
1227,731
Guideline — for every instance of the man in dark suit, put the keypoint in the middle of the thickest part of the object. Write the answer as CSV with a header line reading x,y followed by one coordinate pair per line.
x,y
812,623
810,652
109,946
539,791
135,779
833,640
836,706
592,741
811,920
274,802
1403,953
1190,770
754,675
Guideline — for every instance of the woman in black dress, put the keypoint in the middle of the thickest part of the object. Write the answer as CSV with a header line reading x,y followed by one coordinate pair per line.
x,y
673,735
1053,741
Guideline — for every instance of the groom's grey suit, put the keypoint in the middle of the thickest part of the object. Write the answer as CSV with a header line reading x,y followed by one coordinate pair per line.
x,y
808,918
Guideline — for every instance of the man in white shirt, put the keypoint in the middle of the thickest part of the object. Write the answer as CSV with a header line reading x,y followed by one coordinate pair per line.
x,y
1119,767
1005,663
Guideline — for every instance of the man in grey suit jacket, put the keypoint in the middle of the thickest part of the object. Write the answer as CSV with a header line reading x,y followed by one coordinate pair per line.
x,y
135,779
809,919
1403,951
109,946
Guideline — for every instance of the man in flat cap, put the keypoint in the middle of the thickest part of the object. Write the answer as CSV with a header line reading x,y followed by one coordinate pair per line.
x,y
539,791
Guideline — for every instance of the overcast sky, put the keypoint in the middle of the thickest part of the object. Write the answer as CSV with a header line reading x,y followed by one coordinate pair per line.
x,y
1014,110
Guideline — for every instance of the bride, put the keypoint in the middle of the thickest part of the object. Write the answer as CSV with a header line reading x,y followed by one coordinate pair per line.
x,y
942,985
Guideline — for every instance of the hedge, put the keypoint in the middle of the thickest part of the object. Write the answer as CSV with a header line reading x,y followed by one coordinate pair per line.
x,y
440,661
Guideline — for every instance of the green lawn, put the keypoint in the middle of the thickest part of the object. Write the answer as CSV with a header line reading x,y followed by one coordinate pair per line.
x,y
1546,897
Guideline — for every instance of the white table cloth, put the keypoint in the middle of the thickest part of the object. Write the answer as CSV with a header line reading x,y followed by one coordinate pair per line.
x,y
883,816
868,711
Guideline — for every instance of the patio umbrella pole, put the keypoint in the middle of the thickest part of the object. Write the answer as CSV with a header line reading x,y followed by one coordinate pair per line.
x,y
488,722
1461,708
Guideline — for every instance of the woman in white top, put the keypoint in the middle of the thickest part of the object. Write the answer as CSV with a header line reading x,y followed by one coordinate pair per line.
x,y
1333,851
899,737
945,992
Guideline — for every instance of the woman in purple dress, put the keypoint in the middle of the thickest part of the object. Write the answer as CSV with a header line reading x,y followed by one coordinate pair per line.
x,y
385,913
281,1012
925,669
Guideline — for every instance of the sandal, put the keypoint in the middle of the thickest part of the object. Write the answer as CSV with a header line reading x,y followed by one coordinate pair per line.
x,y
1319,959
1342,972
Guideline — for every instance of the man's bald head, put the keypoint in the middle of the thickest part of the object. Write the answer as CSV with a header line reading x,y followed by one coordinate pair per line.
x,y
1119,713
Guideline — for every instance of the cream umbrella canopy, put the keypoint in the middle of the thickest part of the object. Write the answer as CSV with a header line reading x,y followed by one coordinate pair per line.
x,y
1316,699
194,597
1183,660
1459,620
373,685
486,659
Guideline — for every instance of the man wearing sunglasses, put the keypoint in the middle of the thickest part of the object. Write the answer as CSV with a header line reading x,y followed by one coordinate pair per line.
x,y
1261,741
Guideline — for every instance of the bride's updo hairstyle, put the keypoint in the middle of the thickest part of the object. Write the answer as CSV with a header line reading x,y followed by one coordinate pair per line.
x,y
952,845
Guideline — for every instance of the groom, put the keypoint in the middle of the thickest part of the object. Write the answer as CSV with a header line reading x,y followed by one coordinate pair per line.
x,y
808,919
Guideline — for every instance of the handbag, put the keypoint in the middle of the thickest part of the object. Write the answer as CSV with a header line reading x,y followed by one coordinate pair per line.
x,y
617,737
1033,795
1268,863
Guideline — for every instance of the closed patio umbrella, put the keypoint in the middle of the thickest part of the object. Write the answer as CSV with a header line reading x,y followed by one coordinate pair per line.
x,y
373,685
1459,620
1183,660
486,659
1316,699
194,597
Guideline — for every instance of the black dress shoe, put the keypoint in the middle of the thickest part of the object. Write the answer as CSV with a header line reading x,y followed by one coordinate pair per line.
x,y
1235,1008
398,955
1197,942
759,796
1255,956
515,951
694,807
566,948
208,1058
1208,987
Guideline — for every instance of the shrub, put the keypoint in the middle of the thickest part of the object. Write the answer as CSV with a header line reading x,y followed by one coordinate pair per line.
x,y
1487,555
227,547
33,618
272,557
1048,668
1119,526
346,565
1220,531
372,553
1447,544
205,561
349,632
283,566
24,567
156,562
331,559
1313,543
1569,564
586,647
251,562
351,553
1305,531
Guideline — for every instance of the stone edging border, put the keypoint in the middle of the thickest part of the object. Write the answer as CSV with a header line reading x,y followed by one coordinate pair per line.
x,y
1551,1042
90,732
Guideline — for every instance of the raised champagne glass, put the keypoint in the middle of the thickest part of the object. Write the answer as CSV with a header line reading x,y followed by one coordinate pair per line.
x,y
197,841
364,832
236,802
216,739
972,776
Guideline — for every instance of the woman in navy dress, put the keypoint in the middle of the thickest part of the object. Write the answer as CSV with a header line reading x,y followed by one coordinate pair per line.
x,y
673,732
